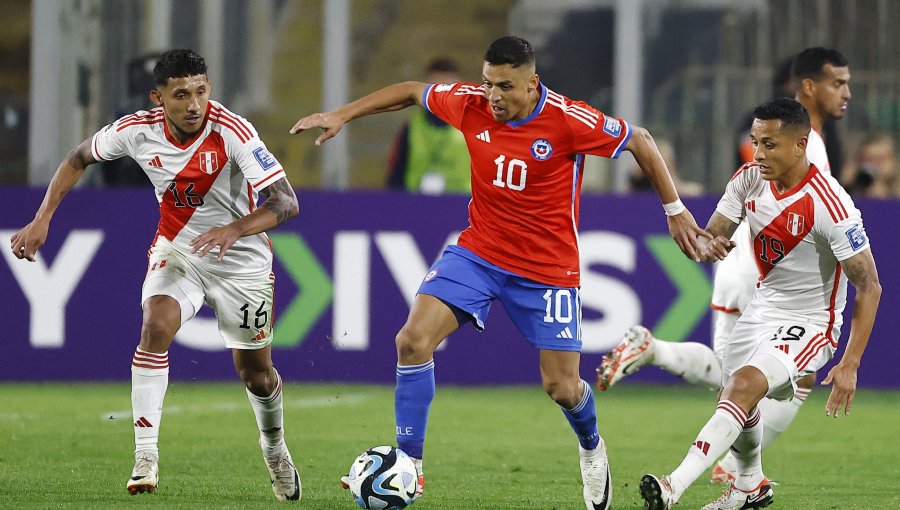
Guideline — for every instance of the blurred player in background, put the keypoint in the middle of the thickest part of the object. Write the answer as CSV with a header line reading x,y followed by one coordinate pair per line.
x,y
808,239
527,145
430,156
822,77
208,166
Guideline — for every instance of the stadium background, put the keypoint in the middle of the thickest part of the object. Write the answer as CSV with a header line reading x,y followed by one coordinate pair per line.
x,y
347,268
689,70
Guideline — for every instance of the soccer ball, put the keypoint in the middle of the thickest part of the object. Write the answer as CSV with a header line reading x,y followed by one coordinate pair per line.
x,y
383,478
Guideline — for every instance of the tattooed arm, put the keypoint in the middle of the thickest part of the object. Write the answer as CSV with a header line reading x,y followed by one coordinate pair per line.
x,y
721,229
26,242
280,205
862,273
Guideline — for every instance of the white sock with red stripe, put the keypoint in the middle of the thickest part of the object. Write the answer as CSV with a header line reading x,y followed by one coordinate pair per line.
x,y
692,361
149,380
778,414
269,413
714,439
746,450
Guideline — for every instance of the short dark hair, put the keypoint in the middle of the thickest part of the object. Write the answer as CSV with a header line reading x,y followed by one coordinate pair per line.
x,y
789,111
177,64
809,63
442,65
511,50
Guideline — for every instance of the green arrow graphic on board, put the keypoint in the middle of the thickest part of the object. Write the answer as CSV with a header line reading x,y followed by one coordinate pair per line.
x,y
692,283
313,284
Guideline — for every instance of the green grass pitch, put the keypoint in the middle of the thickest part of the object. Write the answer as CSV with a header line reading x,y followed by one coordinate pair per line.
x,y
70,446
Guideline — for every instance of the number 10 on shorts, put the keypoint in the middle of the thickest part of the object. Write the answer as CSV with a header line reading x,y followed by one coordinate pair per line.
x,y
559,306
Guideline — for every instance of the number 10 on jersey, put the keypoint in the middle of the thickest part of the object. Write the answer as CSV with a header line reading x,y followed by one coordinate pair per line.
x,y
515,170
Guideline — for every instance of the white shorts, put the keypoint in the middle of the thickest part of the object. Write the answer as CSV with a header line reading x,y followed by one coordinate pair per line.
x,y
243,305
783,350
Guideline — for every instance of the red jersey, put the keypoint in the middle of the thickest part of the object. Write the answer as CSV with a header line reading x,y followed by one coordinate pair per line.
x,y
526,177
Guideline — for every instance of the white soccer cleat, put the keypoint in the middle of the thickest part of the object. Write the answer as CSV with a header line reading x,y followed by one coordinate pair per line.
x,y
657,493
145,475
595,477
737,499
285,478
633,352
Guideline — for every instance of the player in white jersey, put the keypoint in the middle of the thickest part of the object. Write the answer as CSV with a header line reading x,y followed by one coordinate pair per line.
x,y
808,240
208,167
823,79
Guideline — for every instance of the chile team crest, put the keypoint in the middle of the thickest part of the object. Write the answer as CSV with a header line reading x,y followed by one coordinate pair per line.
x,y
541,149
209,162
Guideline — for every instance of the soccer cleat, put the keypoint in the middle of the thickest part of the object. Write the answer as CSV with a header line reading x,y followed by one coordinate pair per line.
x,y
420,487
284,476
633,352
737,499
145,475
720,474
595,477
657,493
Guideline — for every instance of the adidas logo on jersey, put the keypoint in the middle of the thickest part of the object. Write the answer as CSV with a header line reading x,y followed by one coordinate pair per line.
x,y
143,422
484,136
155,162
566,333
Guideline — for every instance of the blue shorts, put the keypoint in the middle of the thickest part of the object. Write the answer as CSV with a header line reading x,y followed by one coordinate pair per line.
x,y
549,317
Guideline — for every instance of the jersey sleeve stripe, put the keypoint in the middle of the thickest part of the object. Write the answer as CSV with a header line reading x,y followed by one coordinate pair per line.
x,y
624,141
839,207
239,125
425,96
229,124
468,89
277,173
139,123
580,117
835,215
595,116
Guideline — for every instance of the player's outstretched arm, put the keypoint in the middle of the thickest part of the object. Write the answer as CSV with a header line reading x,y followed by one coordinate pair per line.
x,y
862,273
682,225
280,205
720,229
26,242
388,99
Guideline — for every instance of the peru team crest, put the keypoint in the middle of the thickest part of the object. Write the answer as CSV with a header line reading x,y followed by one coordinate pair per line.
x,y
209,162
541,149
795,224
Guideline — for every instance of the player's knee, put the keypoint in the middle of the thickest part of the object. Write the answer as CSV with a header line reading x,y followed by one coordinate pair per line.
x,y
807,382
412,345
261,383
563,392
745,389
157,334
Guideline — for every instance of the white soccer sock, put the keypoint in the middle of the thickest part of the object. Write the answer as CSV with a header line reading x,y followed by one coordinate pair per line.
x,y
692,361
777,414
269,413
714,438
149,380
746,450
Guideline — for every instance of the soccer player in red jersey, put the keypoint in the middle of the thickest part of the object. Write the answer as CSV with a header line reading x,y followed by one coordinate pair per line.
x,y
527,145
208,166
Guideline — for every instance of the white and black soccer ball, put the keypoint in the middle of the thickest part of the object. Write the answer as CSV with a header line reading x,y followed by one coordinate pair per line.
x,y
383,478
